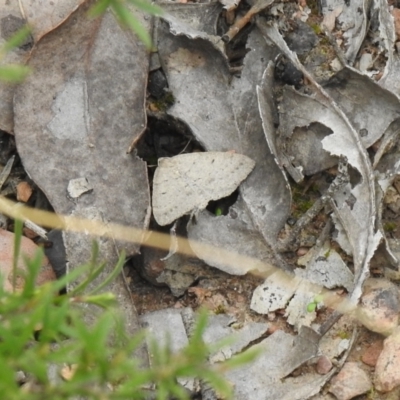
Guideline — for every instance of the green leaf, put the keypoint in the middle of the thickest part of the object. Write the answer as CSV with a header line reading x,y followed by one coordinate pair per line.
x,y
241,359
91,276
33,267
17,247
178,392
116,271
16,40
99,8
93,269
95,255
218,383
13,73
63,281
162,391
103,300
201,324
54,318
128,20
147,7
100,333
318,298
311,307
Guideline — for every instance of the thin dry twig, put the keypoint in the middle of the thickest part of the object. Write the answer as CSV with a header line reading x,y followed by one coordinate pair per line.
x,y
5,173
259,6
174,243
332,40
21,9
36,228
290,242
161,241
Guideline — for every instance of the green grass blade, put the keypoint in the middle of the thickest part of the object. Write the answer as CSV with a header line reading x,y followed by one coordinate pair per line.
x,y
147,7
241,359
17,247
103,300
33,266
13,73
116,271
16,40
92,275
99,8
128,20
63,281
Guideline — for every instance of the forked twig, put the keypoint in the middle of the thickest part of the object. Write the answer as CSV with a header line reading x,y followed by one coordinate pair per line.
x,y
341,180
259,6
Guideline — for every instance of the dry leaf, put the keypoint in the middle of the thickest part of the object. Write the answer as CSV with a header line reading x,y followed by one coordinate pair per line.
x,y
353,22
68,371
24,191
11,20
46,15
211,102
79,110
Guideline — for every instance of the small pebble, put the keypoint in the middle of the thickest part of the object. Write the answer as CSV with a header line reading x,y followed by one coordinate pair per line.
x,y
28,249
302,251
365,62
387,370
379,306
324,365
371,353
291,221
336,65
271,316
24,191
350,382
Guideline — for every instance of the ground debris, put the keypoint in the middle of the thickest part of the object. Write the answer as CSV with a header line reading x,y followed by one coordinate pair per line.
x,y
351,381
239,106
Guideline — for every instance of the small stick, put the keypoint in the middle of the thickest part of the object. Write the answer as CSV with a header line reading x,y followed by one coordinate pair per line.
x,y
174,243
341,179
36,228
184,149
332,319
339,52
5,173
21,9
33,227
290,241
242,22
135,141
